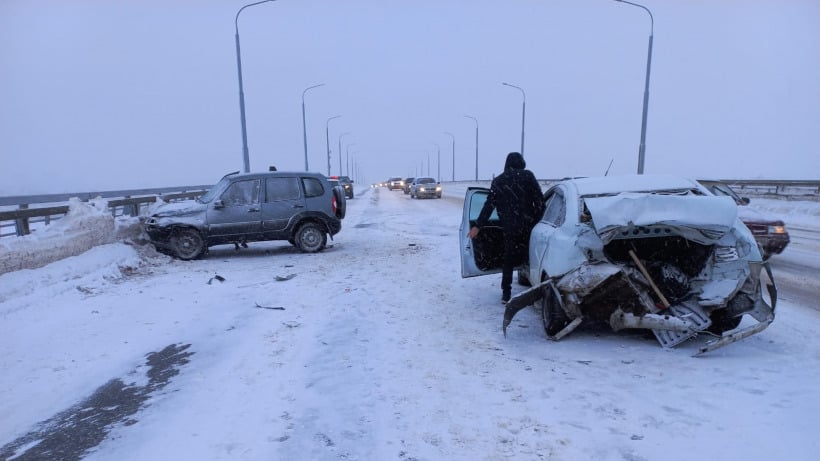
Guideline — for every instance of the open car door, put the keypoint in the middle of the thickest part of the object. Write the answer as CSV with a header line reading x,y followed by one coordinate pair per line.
x,y
484,254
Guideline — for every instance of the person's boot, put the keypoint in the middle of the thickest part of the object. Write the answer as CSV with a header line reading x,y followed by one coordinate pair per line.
x,y
505,296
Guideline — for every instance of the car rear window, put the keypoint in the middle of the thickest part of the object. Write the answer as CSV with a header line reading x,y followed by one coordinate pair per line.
x,y
313,187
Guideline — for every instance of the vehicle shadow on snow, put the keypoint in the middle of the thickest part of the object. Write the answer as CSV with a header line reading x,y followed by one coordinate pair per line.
x,y
259,250
70,434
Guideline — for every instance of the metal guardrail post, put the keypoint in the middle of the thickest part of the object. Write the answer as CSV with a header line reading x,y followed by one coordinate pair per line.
x,y
21,224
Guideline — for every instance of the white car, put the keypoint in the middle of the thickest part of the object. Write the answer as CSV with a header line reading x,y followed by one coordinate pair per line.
x,y
642,251
425,187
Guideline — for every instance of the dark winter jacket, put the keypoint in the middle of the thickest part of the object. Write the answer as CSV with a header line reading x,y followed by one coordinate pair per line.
x,y
516,195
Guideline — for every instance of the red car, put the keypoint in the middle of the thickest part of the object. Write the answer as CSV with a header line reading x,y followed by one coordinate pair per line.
x,y
769,231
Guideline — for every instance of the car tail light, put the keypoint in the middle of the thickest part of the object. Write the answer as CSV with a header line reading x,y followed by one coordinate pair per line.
x,y
333,204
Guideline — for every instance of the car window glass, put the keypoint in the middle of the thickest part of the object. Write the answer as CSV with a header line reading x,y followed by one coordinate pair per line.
x,y
313,187
555,209
282,189
476,203
241,193
208,196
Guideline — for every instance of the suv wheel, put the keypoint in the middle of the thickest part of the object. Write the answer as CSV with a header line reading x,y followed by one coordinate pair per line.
x,y
310,238
187,243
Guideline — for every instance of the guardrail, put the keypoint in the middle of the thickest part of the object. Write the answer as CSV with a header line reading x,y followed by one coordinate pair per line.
x,y
130,202
124,202
772,188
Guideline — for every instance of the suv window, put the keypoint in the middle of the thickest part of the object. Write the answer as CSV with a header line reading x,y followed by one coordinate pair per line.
x,y
282,189
241,193
313,187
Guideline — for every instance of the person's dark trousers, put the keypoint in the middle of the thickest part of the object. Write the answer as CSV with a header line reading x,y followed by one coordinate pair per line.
x,y
515,253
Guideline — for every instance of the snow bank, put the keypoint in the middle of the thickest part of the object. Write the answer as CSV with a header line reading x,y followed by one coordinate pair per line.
x,y
86,225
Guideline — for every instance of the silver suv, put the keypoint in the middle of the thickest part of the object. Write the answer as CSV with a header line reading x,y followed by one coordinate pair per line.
x,y
300,207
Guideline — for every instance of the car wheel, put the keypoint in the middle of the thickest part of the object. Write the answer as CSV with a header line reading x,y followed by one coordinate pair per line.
x,y
187,243
310,238
552,315
523,279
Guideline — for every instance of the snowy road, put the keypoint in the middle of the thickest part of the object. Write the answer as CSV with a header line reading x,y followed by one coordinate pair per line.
x,y
380,351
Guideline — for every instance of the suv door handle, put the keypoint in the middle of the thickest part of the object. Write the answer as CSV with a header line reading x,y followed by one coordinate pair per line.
x,y
253,210
298,206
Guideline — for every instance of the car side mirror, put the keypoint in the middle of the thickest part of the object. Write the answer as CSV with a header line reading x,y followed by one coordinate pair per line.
x,y
745,200
219,204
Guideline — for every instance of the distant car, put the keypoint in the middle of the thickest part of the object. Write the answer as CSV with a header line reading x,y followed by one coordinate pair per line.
x,y
634,252
425,187
300,207
395,183
346,183
769,231
407,183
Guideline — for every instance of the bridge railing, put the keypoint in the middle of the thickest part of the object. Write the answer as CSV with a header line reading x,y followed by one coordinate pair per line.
x,y
19,213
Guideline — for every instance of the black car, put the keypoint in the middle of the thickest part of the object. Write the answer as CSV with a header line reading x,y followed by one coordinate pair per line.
x,y
346,183
300,207
407,183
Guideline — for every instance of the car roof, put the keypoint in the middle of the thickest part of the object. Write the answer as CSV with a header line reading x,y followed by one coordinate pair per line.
x,y
631,183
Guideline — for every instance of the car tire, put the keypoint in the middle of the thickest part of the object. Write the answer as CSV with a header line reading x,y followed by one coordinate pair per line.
x,y
552,314
187,243
523,279
310,238
341,202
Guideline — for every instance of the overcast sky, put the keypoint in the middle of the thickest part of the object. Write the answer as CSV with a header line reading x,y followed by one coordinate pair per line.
x,y
100,95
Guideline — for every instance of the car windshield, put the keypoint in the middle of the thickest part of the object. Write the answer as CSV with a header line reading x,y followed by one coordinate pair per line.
x,y
425,181
722,189
212,192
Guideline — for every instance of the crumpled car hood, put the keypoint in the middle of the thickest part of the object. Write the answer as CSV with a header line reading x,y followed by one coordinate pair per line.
x,y
627,210
178,209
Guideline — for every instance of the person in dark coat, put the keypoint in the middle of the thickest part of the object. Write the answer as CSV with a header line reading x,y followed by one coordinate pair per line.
x,y
516,196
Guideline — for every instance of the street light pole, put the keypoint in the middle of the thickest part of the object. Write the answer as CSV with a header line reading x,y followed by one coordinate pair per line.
x,y
245,155
438,162
476,144
327,140
523,111
454,153
347,160
340,150
642,146
304,125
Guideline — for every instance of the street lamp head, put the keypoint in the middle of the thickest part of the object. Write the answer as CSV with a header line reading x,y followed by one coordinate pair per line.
x,y
310,88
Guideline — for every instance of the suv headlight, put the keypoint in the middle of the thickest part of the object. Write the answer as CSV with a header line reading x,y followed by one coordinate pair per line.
x,y
777,229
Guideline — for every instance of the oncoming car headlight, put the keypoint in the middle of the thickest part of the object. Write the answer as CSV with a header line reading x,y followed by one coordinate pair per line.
x,y
777,229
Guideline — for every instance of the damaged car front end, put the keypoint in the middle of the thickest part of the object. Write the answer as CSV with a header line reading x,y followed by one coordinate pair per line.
x,y
657,253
